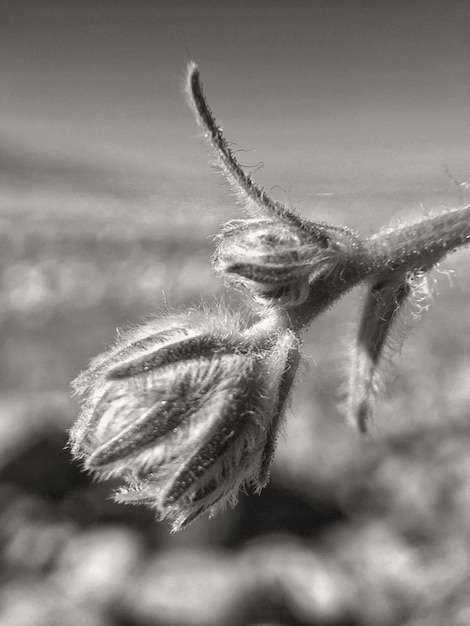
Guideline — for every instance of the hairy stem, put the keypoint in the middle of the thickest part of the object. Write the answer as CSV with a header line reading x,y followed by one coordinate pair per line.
x,y
422,245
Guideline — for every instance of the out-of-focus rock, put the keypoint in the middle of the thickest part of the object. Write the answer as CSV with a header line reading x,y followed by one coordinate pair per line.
x,y
32,603
188,587
96,567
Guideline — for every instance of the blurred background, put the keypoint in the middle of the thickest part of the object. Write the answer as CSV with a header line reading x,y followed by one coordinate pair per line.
x,y
107,207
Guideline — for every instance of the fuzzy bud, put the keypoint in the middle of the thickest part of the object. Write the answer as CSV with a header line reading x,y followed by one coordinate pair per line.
x,y
272,258
186,413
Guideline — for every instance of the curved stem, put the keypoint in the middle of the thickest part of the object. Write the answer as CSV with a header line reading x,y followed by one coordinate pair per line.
x,y
241,182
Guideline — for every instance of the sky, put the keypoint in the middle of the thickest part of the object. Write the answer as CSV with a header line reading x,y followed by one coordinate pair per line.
x,y
330,95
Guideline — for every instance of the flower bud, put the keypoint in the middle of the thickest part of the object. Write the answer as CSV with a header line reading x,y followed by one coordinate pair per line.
x,y
187,413
271,257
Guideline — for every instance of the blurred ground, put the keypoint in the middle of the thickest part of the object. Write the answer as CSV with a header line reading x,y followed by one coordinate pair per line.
x,y
349,531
